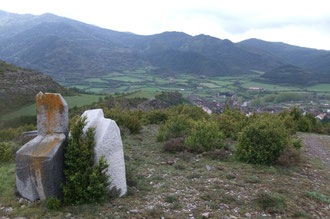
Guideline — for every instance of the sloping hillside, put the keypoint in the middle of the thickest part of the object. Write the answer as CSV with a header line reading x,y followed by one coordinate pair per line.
x,y
311,59
19,86
290,74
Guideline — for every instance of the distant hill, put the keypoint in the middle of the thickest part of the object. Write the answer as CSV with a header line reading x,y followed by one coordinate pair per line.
x,y
19,86
317,61
71,50
290,74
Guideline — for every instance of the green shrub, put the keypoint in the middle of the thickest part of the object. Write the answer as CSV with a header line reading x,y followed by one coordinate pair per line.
x,y
7,151
290,156
318,196
171,198
53,204
128,119
304,125
174,145
175,127
297,143
156,116
296,114
288,121
84,181
12,134
262,141
169,98
231,122
204,136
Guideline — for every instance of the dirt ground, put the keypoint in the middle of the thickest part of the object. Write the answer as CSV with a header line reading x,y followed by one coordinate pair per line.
x,y
317,146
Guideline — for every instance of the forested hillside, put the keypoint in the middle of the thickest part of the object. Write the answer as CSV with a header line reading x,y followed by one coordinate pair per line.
x,y
19,86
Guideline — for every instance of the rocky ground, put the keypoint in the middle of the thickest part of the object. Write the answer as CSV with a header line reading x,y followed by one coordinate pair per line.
x,y
186,185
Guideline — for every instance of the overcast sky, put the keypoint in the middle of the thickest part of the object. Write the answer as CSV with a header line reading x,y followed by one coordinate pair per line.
x,y
298,22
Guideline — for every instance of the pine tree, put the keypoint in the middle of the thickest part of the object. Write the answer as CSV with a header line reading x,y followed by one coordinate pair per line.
x,y
84,181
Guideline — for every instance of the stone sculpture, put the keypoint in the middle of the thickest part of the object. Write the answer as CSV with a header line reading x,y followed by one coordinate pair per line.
x,y
108,144
39,163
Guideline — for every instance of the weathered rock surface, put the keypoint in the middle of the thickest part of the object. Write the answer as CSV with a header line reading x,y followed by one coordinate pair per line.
x,y
52,114
39,163
108,144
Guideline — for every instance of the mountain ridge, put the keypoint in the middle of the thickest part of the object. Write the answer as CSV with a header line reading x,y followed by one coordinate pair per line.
x,y
64,48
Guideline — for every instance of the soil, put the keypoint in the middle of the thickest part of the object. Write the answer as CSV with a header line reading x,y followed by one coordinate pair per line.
x,y
317,146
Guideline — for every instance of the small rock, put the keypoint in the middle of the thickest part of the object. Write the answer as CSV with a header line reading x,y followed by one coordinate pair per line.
x,y
208,167
23,206
68,215
233,217
10,209
20,200
134,211
170,162
206,215
247,215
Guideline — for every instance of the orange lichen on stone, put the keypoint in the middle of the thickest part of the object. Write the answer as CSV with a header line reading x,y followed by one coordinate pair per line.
x,y
53,104
44,149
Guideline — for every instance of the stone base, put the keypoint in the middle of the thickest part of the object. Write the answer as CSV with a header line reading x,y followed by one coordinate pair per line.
x,y
39,167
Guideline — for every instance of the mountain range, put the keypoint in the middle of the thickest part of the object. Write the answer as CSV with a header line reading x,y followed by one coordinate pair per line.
x,y
67,49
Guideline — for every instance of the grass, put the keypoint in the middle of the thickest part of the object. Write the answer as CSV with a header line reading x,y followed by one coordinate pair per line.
x,y
269,87
179,185
318,196
271,203
30,110
95,80
127,79
320,88
209,85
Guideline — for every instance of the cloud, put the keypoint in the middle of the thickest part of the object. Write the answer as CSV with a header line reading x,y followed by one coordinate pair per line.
x,y
241,23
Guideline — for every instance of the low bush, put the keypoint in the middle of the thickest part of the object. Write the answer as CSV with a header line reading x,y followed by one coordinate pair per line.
x,y
231,122
156,116
288,122
318,196
174,145
262,141
175,127
7,151
304,125
296,143
53,204
84,181
12,134
204,136
290,156
128,119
